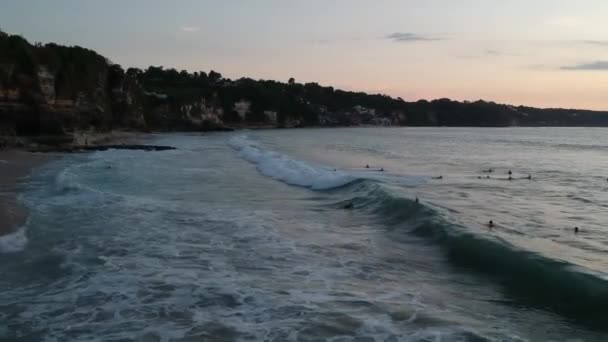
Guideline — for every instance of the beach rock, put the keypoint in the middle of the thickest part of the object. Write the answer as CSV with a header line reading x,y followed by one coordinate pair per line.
x,y
82,149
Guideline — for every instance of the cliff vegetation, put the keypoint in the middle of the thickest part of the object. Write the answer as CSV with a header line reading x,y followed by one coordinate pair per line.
x,y
53,91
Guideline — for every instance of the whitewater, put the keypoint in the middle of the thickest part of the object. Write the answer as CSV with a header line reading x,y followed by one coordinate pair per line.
x,y
358,234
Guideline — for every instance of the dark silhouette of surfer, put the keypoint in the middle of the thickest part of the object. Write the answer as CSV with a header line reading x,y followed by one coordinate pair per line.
x,y
416,200
488,170
491,224
530,177
575,230
367,166
510,173
439,177
381,170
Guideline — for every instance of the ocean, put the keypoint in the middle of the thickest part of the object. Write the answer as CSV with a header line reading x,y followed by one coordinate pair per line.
x,y
351,234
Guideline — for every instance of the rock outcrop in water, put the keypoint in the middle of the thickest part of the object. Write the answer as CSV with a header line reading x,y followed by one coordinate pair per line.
x,y
79,149
57,90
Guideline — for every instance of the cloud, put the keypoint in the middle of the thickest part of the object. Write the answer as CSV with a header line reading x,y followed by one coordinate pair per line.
x,y
491,52
497,53
596,65
586,42
596,42
190,28
333,40
405,37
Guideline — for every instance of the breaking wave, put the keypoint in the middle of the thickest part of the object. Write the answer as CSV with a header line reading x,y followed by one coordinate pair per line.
x,y
14,242
288,170
527,276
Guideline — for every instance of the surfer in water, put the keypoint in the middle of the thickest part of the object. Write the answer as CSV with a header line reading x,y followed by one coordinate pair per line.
x,y
367,166
491,224
575,230
381,170
529,177
439,177
509,173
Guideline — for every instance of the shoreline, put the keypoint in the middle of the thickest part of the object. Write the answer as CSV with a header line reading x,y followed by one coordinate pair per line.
x,y
15,167
17,164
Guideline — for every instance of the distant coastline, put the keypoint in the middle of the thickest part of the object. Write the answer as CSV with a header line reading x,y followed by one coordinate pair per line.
x,y
50,93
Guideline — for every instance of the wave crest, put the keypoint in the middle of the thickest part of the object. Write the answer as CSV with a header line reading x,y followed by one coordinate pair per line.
x,y
533,278
288,170
14,242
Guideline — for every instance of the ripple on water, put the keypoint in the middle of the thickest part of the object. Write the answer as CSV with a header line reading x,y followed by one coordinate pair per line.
x,y
153,251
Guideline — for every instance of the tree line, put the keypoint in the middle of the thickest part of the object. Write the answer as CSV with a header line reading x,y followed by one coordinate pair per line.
x,y
108,96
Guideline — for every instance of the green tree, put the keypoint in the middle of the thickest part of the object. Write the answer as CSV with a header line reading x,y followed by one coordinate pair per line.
x,y
214,77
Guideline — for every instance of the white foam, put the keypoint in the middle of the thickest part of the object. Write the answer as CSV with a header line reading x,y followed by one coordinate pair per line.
x,y
288,170
13,242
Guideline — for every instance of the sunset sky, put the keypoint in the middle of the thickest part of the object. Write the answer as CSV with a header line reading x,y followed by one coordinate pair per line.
x,y
548,53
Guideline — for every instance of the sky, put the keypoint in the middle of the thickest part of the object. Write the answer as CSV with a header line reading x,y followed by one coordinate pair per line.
x,y
546,53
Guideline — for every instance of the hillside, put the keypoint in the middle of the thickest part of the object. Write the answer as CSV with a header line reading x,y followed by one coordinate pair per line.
x,y
54,90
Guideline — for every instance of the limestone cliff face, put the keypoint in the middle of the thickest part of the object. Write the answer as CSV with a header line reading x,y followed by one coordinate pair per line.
x,y
46,82
127,105
164,113
45,105
202,112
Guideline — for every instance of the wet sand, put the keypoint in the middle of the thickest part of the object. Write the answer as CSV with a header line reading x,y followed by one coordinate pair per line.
x,y
15,166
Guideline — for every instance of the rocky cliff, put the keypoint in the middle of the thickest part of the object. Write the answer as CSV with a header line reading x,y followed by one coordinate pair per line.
x,y
51,91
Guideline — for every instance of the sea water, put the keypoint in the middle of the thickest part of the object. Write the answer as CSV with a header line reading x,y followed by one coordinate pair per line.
x,y
297,235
